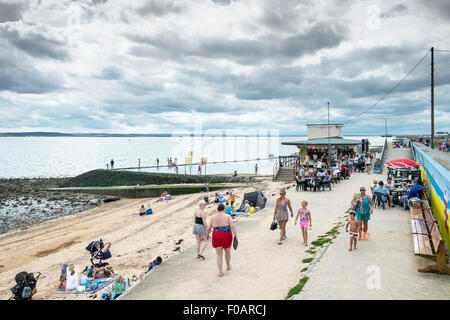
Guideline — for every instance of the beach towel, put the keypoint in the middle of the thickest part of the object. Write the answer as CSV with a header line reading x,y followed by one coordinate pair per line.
x,y
91,289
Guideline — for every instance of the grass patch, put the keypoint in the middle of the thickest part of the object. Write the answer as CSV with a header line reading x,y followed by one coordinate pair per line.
x,y
320,242
307,260
304,269
311,251
298,287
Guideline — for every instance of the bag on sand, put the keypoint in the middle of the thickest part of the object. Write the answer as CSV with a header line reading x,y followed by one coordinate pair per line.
x,y
274,225
235,243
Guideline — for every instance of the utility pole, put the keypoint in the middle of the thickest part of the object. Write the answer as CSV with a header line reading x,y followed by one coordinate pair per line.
x,y
329,144
432,97
385,125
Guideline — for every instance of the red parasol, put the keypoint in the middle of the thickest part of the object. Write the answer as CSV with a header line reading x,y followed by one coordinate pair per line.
x,y
402,163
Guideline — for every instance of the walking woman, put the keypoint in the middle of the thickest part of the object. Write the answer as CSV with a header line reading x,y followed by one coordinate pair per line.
x,y
200,229
281,214
298,181
363,211
368,162
222,236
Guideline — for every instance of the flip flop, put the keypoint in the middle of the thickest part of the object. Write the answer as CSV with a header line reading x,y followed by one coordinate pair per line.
x,y
201,257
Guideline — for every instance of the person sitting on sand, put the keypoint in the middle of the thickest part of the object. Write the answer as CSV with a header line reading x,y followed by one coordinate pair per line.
x,y
117,287
142,211
103,272
62,276
354,230
71,279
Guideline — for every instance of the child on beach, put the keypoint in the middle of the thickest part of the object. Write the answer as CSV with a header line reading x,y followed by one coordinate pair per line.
x,y
354,230
142,211
356,201
305,218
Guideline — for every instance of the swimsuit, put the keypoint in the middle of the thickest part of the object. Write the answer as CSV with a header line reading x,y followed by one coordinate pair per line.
x,y
222,237
199,228
303,218
353,234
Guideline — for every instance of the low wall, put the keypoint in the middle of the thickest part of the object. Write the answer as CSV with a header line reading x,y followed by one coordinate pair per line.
x,y
145,191
436,180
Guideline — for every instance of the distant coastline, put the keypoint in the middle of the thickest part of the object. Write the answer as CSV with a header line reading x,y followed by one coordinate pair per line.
x,y
137,135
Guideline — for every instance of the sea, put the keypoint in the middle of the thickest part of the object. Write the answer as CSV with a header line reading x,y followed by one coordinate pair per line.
x,y
44,157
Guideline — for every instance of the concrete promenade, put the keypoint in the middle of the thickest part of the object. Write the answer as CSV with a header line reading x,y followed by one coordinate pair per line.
x,y
261,269
383,267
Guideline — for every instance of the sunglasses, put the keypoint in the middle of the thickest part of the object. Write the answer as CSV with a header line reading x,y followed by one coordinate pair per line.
x,y
362,189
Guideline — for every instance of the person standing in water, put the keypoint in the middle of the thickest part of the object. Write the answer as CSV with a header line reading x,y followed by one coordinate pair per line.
x,y
281,214
112,164
256,169
139,164
222,236
200,229
157,163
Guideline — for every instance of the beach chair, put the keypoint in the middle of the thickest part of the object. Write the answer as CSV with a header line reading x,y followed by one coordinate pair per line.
x,y
378,200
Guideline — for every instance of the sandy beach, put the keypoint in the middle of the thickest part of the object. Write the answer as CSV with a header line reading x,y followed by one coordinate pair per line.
x,y
135,240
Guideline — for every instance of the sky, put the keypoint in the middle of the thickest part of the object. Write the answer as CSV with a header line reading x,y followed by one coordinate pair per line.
x,y
162,66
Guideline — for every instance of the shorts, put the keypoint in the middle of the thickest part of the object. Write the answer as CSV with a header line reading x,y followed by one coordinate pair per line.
x,y
222,239
365,217
199,229
303,224
353,234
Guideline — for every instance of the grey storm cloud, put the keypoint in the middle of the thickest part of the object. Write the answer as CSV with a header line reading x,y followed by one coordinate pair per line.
x,y
223,2
10,11
36,44
245,51
110,73
438,7
23,78
395,11
160,8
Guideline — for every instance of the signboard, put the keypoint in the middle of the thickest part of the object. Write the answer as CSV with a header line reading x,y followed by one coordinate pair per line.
x,y
188,160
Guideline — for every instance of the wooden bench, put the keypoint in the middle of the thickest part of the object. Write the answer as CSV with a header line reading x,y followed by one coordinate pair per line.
x,y
428,242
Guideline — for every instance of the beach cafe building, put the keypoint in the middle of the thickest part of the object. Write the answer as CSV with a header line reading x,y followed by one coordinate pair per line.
x,y
319,136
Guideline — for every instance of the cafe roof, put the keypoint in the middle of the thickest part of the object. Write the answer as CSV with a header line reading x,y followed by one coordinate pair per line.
x,y
334,141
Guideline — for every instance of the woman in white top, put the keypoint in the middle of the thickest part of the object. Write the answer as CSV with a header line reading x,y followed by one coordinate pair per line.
x,y
369,162
71,279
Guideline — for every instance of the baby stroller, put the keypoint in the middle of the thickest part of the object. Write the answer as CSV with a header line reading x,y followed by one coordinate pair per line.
x,y
25,284
95,248
360,166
